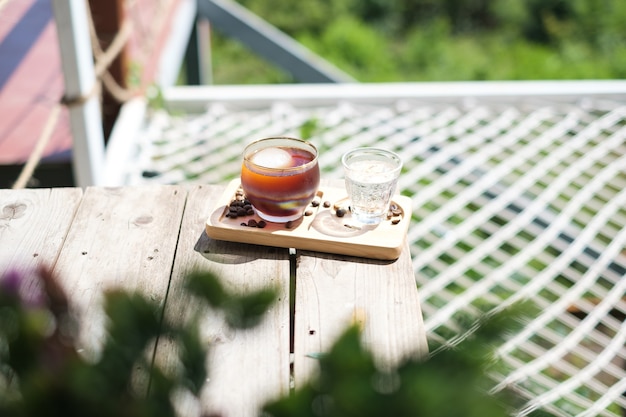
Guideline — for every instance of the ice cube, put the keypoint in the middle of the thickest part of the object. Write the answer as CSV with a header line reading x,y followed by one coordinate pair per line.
x,y
272,158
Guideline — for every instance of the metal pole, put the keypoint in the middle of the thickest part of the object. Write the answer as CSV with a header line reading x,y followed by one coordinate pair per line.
x,y
81,94
264,39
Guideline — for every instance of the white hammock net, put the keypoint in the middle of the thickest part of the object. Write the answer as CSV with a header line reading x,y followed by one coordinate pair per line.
x,y
512,199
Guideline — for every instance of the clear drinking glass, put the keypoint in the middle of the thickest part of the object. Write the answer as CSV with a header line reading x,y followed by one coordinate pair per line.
x,y
371,176
280,176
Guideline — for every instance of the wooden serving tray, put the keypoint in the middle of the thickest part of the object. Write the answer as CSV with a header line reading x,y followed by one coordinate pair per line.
x,y
320,230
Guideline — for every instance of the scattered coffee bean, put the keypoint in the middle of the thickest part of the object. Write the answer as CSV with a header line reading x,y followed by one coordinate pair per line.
x,y
326,203
289,224
340,212
252,223
315,203
261,224
239,206
308,212
395,221
243,224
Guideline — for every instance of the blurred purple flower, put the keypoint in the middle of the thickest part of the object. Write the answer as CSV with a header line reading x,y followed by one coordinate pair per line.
x,y
10,282
25,285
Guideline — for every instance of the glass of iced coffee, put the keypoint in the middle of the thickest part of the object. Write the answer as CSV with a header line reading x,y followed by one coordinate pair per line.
x,y
371,176
280,176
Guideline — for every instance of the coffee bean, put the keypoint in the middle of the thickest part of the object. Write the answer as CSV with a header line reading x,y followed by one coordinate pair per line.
x,y
261,224
326,203
239,206
252,223
340,212
395,221
308,212
289,224
315,203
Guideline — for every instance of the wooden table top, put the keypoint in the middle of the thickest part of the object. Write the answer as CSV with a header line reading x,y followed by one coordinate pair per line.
x,y
147,238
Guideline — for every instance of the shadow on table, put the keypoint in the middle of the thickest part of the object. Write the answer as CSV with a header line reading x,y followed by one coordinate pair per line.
x,y
225,252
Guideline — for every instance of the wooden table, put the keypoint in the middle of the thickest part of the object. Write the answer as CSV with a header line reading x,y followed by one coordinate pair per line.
x,y
147,238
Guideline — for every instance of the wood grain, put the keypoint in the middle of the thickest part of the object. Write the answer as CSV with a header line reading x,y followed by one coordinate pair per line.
x,y
381,296
147,239
34,224
121,238
246,367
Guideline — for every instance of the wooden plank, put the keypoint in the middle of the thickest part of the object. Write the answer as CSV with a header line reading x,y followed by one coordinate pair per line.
x,y
247,368
121,238
333,291
34,224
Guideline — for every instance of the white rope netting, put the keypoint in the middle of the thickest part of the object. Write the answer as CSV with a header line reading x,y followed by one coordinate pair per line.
x,y
511,201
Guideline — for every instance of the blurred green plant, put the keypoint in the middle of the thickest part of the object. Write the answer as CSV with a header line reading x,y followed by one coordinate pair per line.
x,y
41,372
426,40
453,382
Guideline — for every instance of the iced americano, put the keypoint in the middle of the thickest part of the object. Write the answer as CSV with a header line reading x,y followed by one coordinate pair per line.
x,y
280,177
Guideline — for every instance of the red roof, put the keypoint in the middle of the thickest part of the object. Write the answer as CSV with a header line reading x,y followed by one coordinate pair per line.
x,y
31,80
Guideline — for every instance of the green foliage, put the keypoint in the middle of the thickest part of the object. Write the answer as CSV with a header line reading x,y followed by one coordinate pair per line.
x,y
355,47
242,311
432,40
452,382
42,373
232,62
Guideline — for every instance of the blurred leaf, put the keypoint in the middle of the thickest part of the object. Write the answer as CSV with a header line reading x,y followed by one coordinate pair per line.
x,y
207,286
247,310
134,322
453,382
158,401
193,356
309,128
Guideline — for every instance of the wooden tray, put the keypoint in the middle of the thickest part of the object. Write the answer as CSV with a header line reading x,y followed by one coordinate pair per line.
x,y
321,230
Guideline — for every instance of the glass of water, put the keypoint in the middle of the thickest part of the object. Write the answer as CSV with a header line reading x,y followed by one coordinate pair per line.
x,y
371,176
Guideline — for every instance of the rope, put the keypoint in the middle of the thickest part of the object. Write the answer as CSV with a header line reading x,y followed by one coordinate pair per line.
x,y
103,60
35,156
